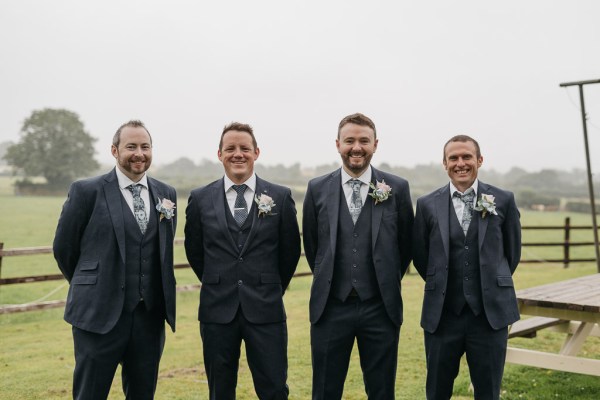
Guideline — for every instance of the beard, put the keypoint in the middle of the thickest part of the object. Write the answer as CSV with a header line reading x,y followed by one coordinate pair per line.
x,y
356,166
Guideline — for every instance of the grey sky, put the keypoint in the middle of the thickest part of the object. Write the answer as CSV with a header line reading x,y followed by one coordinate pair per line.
x,y
423,70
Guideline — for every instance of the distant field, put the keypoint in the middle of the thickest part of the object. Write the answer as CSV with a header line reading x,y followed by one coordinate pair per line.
x,y
36,356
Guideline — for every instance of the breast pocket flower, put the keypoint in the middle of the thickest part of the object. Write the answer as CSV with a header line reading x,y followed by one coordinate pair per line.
x,y
380,192
166,208
265,204
486,204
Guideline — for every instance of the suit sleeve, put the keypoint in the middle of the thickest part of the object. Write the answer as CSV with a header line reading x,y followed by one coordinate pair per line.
x,y
511,232
194,244
71,225
309,228
420,242
289,240
405,224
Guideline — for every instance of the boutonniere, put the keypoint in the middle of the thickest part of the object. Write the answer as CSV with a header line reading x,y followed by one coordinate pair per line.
x,y
166,208
486,204
380,192
265,205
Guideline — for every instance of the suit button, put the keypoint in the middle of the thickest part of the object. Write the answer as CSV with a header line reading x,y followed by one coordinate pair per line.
x,y
240,282
353,280
240,259
466,263
466,247
443,293
354,265
466,278
354,250
122,287
355,234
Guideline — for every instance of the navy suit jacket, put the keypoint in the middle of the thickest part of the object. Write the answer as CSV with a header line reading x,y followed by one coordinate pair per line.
x,y
89,247
391,225
254,278
499,238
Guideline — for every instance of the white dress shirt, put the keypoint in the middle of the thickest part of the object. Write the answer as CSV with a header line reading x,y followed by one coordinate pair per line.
x,y
365,178
459,205
124,181
231,194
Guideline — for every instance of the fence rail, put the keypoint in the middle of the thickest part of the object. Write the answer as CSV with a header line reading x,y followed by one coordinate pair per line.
x,y
566,244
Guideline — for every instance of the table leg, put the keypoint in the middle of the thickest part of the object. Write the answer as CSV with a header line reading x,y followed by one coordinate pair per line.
x,y
575,341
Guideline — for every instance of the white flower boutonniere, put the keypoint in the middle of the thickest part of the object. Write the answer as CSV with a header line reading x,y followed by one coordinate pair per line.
x,y
265,205
486,204
166,208
380,192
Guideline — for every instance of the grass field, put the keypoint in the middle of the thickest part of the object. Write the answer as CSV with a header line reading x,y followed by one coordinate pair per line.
x,y
36,351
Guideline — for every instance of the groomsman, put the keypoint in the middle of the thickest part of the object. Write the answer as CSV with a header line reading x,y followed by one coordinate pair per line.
x,y
243,242
357,226
467,244
114,244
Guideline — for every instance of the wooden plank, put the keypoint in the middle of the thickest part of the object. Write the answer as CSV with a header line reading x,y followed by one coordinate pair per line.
x,y
529,327
23,251
557,362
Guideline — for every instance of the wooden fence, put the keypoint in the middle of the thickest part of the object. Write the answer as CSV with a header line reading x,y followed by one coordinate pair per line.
x,y
566,244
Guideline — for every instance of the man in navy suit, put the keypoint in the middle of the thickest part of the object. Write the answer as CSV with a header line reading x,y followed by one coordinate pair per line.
x,y
467,244
357,226
114,244
243,242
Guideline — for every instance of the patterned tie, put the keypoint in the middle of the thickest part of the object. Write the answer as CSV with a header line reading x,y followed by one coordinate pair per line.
x,y
240,208
466,198
139,208
356,200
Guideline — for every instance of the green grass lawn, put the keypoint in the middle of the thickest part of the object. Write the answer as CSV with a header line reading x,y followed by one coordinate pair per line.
x,y
36,350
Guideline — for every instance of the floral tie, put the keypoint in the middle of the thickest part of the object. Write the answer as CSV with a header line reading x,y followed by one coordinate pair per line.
x,y
139,208
356,200
240,208
466,198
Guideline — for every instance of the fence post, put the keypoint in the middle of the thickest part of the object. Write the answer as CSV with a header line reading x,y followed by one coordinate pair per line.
x,y
1,247
567,240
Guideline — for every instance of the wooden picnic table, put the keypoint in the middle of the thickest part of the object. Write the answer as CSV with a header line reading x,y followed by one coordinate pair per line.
x,y
571,307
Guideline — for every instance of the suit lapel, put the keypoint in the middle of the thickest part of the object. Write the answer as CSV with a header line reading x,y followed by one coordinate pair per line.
x,y
483,222
333,205
442,203
113,196
377,211
156,194
218,197
261,188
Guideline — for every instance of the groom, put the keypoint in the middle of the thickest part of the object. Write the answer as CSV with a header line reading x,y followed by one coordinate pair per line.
x,y
243,243
467,244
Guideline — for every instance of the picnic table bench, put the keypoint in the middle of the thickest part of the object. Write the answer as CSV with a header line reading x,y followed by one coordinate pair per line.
x,y
571,307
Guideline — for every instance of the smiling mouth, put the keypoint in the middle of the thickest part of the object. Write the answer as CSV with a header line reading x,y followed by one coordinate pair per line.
x,y
462,172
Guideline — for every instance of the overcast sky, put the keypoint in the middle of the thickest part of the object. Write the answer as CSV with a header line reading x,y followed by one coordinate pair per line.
x,y
422,70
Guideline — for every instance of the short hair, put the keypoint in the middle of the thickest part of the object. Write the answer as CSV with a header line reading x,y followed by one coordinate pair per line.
x,y
462,138
238,126
358,119
134,123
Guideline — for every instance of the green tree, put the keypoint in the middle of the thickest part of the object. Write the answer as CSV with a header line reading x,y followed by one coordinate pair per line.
x,y
55,145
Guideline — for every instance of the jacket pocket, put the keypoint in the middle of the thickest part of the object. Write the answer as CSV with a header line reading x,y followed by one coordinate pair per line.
x,y
84,280
505,281
88,265
210,279
270,278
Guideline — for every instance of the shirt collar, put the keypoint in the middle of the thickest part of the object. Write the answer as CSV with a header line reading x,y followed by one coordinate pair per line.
x,y
364,178
454,189
250,182
124,180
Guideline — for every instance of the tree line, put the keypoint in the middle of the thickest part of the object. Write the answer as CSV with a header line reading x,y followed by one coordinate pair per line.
x,y
55,145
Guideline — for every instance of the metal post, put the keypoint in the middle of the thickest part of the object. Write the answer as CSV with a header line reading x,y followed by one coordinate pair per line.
x,y
589,168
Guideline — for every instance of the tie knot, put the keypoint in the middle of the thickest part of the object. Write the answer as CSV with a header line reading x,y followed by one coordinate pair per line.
x,y
467,197
240,189
355,184
135,189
